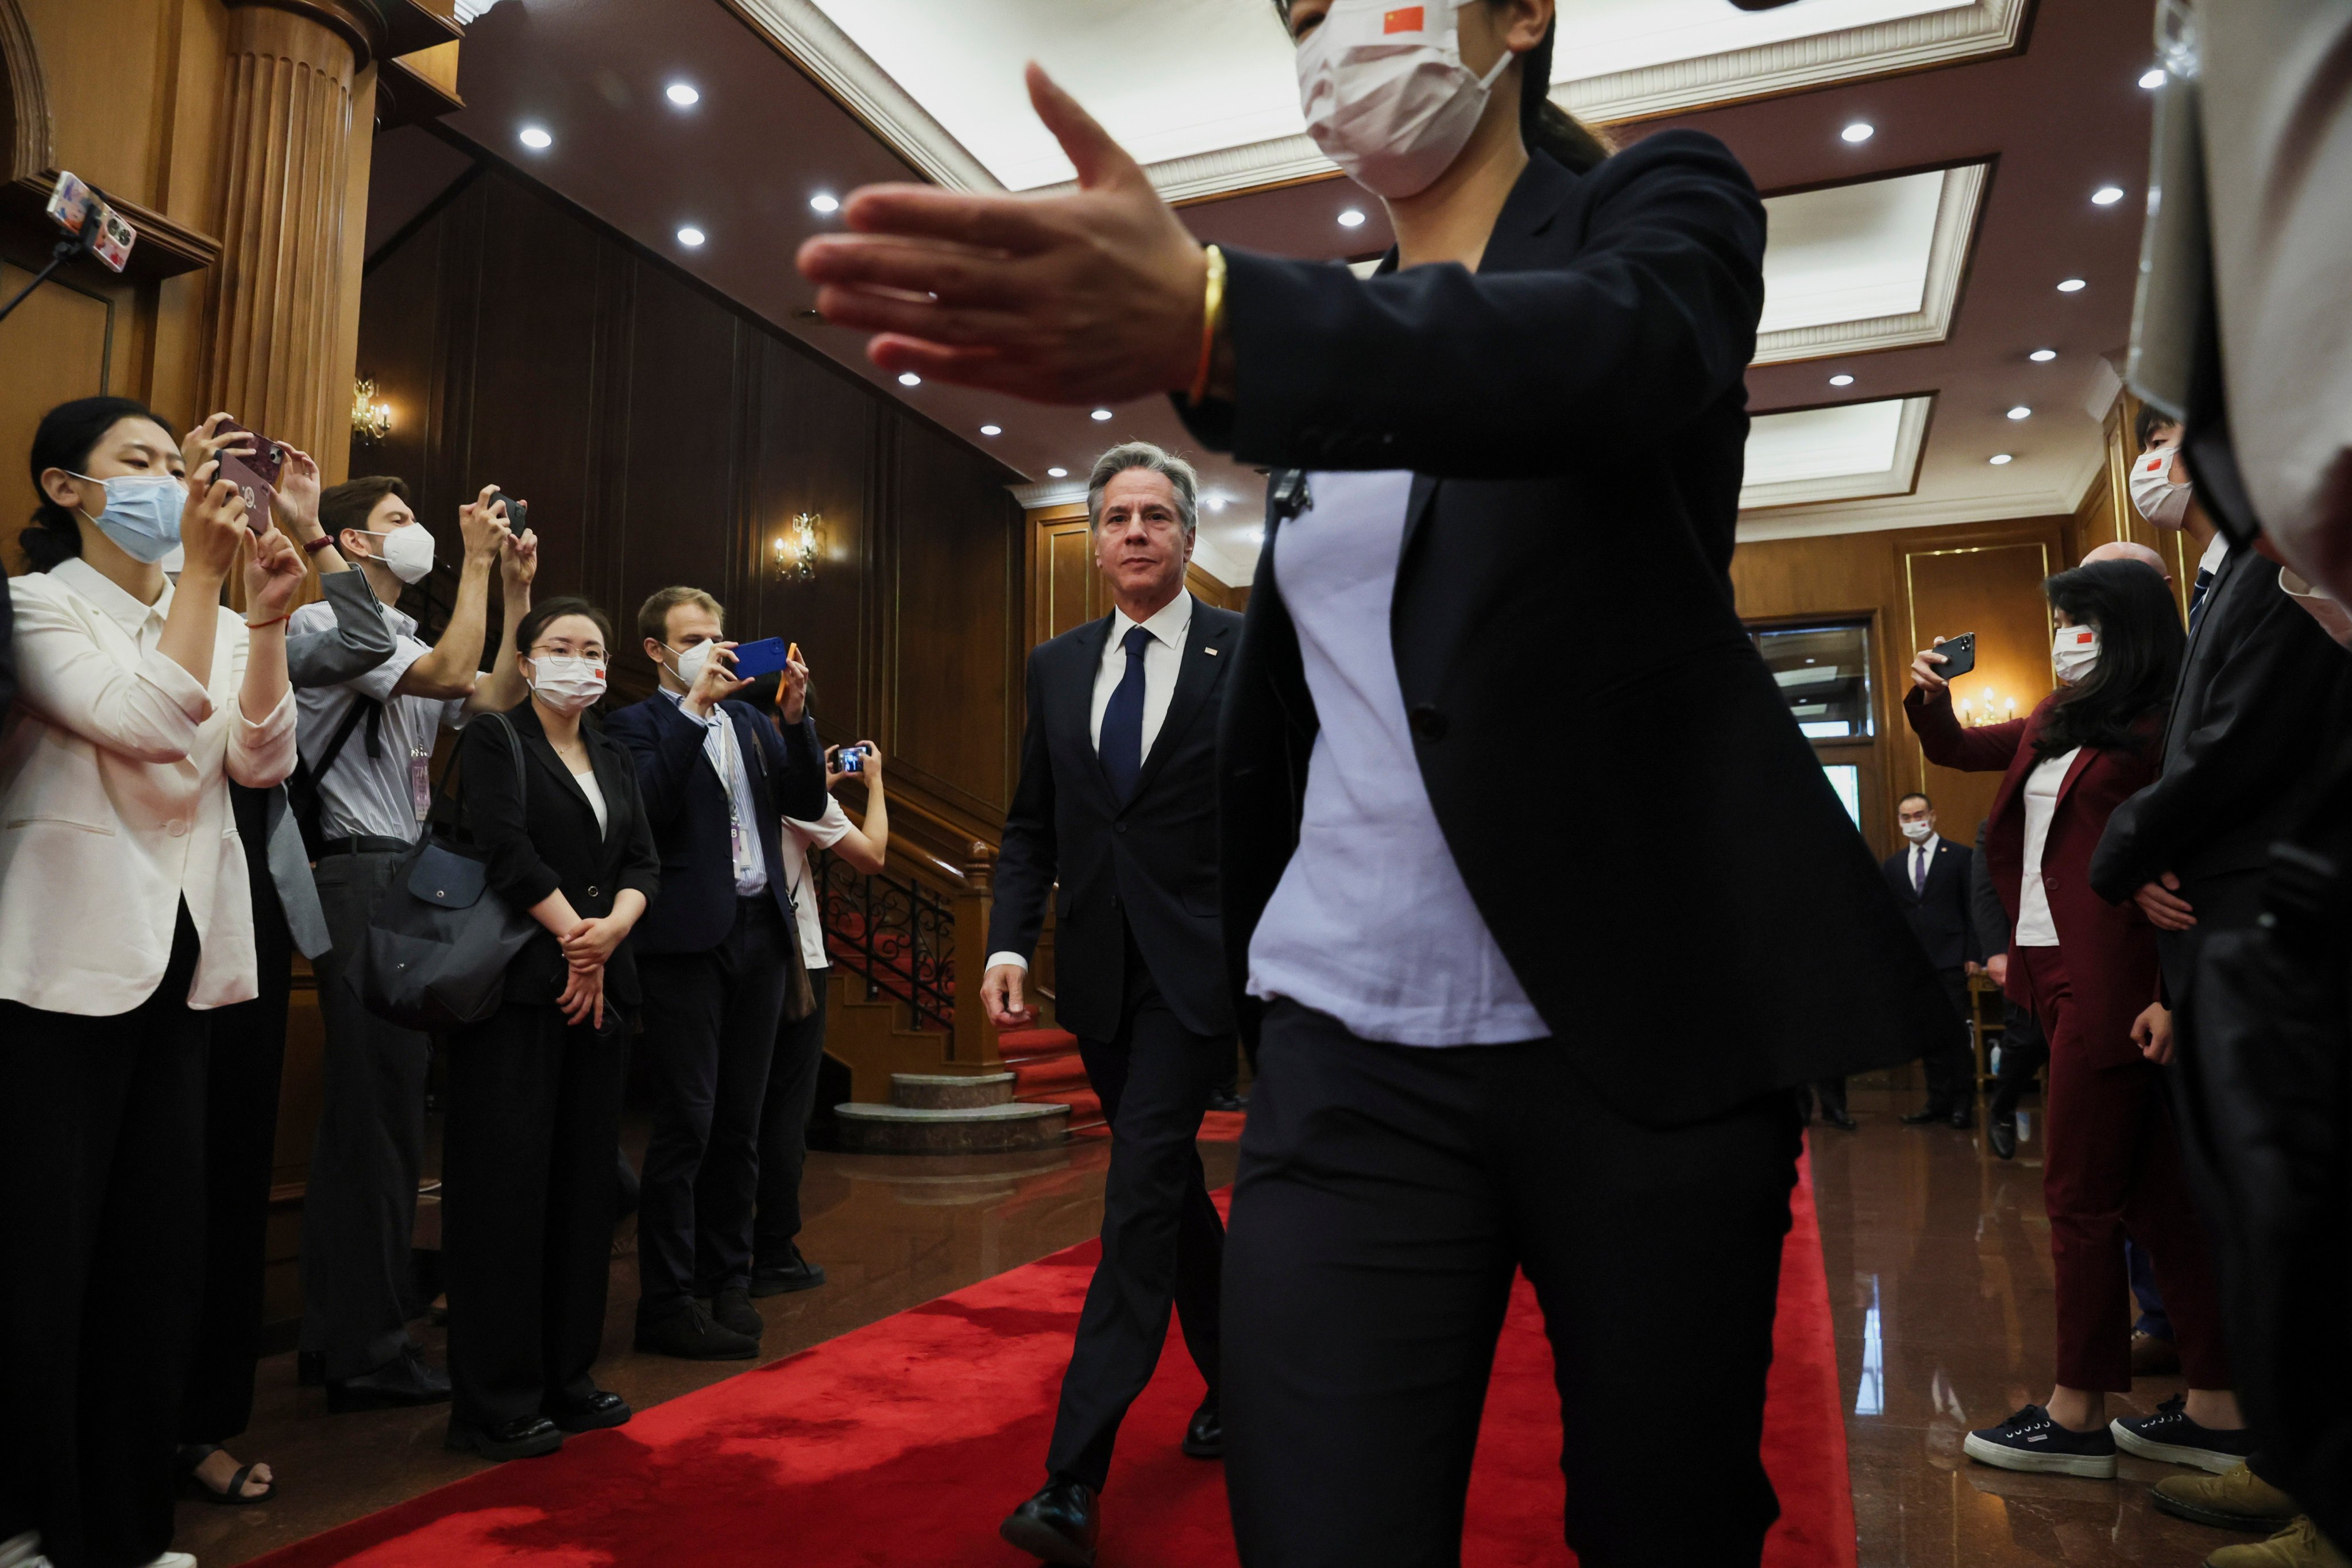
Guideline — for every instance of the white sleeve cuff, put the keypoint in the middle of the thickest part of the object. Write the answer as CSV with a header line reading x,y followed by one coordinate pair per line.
x,y
1013,959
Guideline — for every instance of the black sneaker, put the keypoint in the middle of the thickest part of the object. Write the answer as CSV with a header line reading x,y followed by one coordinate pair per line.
x,y
795,1273
2171,1436
2029,1440
732,1309
691,1334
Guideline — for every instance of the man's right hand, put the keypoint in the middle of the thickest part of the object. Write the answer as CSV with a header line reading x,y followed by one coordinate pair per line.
x,y
1998,967
1000,993
2161,902
716,682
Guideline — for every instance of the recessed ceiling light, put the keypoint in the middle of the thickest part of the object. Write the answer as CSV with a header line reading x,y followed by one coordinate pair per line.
x,y
2043,356
1057,473
991,429
690,235
826,201
537,140
1861,130
1102,414
684,95
2021,412
2106,196
2000,460
2152,80
1215,500
2072,286
1840,381
1352,218
908,378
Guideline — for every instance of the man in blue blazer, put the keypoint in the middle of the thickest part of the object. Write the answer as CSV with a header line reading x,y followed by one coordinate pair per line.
x,y
716,958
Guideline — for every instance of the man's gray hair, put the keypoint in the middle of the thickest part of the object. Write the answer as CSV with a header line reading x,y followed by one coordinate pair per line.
x,y
1144,455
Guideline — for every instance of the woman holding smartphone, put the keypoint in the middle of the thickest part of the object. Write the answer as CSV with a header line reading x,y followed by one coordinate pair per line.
x,y
2088,970
1508,469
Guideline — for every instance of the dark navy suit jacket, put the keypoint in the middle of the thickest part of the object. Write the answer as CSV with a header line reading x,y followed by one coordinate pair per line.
x,y
686,801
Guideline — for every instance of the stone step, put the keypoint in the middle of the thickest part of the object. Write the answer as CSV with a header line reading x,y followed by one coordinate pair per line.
x,y
950,1091
962,1130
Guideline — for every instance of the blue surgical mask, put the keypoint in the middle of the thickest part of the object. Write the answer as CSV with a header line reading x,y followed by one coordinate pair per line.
x,y
142,514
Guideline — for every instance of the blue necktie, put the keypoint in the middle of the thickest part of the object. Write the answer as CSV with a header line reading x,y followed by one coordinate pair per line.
x,y
2197,597
1122,722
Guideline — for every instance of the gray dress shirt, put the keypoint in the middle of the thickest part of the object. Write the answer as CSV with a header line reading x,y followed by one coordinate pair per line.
x,y
357,642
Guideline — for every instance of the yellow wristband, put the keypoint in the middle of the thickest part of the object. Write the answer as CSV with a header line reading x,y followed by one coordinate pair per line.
x,y
1212,318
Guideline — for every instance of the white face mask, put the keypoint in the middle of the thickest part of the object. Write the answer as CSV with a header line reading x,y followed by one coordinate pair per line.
x,y
408,552
1386,95
691,660
2073,652
567,683
1917,832
2157,498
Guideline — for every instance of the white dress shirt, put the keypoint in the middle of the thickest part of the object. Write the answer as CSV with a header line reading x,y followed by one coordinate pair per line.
x,y
743,815
385,795
114,804
799,838
1371,922
1163,657
2035,926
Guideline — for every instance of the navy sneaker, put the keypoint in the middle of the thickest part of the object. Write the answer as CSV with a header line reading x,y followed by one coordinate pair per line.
x,y
2171,1436
2029,1440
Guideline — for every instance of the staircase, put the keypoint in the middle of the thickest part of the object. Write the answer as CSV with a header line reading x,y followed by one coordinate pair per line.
x,y
951,1113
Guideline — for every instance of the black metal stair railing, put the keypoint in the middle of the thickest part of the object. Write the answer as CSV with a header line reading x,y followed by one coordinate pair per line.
x,y
898,936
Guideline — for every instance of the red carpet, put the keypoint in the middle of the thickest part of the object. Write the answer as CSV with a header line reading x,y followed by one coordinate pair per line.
x,y
905,1442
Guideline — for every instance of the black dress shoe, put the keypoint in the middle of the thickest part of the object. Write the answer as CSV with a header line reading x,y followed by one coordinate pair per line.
x,y
1059,1525
732,1309
1928,1117
404,1380
1220,1100
690,1333
2001,1133
797,1273
600,1409
524,1437
1964,1117
1205,1438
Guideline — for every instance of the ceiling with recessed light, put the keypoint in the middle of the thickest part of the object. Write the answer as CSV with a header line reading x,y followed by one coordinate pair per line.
x,y
1922,260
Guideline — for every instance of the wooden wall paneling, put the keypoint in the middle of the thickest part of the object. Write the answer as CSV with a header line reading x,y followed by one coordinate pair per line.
x,y
401,336
108,65
57,347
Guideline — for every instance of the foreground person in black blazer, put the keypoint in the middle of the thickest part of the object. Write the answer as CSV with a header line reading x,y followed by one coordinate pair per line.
x,y
534,1101
1542,392
1117,803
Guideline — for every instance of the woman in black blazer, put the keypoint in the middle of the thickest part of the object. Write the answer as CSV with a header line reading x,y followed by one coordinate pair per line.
x,y
1494,587
534,1106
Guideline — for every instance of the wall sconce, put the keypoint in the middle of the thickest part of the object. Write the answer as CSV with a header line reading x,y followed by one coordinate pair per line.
x,y
795,549
371,420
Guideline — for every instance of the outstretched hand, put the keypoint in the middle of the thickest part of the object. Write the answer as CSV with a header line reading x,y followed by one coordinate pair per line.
x,y
1086,296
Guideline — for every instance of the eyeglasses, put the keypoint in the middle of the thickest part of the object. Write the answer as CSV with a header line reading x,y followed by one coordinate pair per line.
x,y
565,651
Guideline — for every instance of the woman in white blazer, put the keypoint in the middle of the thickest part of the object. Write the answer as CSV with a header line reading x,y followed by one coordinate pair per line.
x,y
125,919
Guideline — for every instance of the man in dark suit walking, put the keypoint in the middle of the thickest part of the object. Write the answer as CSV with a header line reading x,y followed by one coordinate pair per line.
x,y
1118,802
1930,876
717,955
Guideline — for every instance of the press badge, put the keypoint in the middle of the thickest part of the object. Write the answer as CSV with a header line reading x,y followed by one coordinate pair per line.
x,y
420,781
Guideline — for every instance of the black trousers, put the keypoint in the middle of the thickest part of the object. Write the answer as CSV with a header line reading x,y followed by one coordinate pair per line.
x,y
101,1248
783,1129
1162,1243
248,1059
1386,1195
1952,1070
2023,1053
534,1113
710,1031
358,1207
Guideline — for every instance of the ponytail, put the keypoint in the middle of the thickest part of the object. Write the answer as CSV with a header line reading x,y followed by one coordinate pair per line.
x,y
1544,125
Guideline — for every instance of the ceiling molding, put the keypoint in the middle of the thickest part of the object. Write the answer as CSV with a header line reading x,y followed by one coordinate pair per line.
x,y
1049,492
1899,477
808,38
1957,208
1902,511
1986,28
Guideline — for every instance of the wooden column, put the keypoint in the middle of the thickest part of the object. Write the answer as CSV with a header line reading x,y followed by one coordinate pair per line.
x,y
974,1042
278,356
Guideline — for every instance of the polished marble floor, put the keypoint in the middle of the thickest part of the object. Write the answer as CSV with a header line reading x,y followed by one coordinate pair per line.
x,y
1938,1263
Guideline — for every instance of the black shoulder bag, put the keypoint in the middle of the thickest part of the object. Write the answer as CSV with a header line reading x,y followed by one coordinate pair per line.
x,y
302,784
438,940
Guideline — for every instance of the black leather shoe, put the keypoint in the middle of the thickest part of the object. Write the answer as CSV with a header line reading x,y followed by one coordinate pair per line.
x,y
600,1409
689,1333
524,1437
1059,1525
732,1309
1928,1117
2001,1133
1220,1100
1964,1117
1205,1437
404,1380
797,1273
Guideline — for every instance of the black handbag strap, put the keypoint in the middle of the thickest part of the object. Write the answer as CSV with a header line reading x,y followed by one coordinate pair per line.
x,y
447,796
361,708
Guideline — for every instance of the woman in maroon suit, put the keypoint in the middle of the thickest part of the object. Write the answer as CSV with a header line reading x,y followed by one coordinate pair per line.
x,y
2087,969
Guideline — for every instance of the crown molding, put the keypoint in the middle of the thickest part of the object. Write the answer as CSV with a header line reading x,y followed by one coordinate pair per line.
x,y
1900,476
1957,211
1902,511
1049,492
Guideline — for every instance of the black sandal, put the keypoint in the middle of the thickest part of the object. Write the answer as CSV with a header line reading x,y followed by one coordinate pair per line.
x,y
197,1454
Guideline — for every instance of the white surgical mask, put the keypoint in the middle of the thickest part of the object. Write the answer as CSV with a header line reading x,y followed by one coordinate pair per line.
x,y
1385,93
2158,500
691,661
2073,652
567,683
1917,832
142,514
408,552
